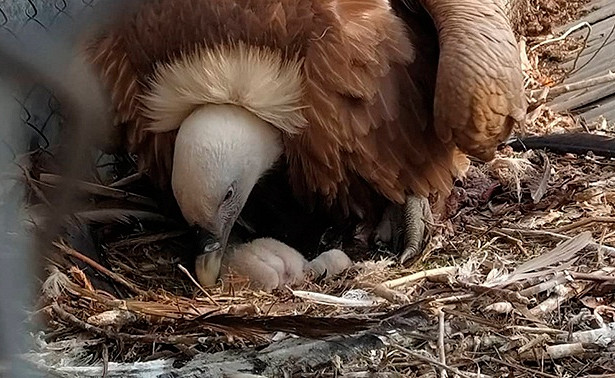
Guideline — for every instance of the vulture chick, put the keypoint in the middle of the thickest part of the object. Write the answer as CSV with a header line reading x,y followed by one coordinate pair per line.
x,y
360,98
269,264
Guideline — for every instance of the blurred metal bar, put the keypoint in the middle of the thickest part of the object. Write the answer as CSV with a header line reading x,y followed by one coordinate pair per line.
x,y
39,71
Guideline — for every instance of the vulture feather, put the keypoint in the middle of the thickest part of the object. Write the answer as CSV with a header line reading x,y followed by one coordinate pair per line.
x,y
355,96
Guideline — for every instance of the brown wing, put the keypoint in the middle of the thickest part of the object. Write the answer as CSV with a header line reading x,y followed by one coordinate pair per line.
x,y
392,108
370,83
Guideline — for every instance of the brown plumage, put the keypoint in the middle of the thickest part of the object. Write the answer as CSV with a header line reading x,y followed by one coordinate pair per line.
x,y
369,83
359,97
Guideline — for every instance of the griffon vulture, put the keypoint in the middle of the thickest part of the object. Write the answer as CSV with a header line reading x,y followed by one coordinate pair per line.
x,y
357,96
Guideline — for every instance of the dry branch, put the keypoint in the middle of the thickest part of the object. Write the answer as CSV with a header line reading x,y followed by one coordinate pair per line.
x,y
114,276
578,85
582,223
436,363
553,235
332,300
552,303
558,279
96,189
557,352
126,180
124,337
604,336
431,273
382,291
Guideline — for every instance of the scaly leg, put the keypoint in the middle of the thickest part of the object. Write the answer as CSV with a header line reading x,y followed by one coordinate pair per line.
x,y
416,213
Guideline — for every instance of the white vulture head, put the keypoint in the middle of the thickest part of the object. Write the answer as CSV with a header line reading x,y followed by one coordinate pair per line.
x,y
220,153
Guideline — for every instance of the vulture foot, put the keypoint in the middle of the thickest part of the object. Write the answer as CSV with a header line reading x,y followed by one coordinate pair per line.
x,y
389,229
268,264
403,227
416,213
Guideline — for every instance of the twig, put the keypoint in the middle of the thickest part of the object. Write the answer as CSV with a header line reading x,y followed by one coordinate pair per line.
x,y
560,351
454,298
559,279
105,357
438,272
509,295
146,239
99,190
577,85
32,184
187,273
591,276
583,222
114,276
148,339
519,367
563,36
594,336
582,84
517,242
552,303
382,291
332,300
473,318
538,340
431,361
539,330
442,351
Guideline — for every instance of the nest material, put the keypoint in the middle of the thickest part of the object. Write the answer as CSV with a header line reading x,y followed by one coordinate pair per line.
x,y
519,280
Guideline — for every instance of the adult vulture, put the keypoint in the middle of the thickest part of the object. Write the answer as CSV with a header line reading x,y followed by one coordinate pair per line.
x,y
357,97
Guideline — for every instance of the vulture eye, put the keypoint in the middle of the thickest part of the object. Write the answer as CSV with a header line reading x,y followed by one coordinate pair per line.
x,y
229,193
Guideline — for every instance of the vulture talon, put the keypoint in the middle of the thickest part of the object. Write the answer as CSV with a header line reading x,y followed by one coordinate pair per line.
x,y
416,213
386,231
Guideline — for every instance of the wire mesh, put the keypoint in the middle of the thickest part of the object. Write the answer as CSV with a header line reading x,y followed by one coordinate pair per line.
x,y
38,99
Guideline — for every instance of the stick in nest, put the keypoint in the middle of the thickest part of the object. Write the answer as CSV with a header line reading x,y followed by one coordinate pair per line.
x,y
187,273
148,339
433,362
441,349
99,190
114,276
509,295
553,235
583,222
332,300
444,271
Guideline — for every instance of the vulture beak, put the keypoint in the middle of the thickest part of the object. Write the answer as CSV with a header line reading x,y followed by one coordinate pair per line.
x,y
211,246
208,241
212,243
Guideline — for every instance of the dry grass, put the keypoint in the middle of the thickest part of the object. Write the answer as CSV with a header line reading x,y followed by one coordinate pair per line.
x,y
518,281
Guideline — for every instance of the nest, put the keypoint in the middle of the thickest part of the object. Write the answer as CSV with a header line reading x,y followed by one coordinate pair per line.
x,y
517,280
